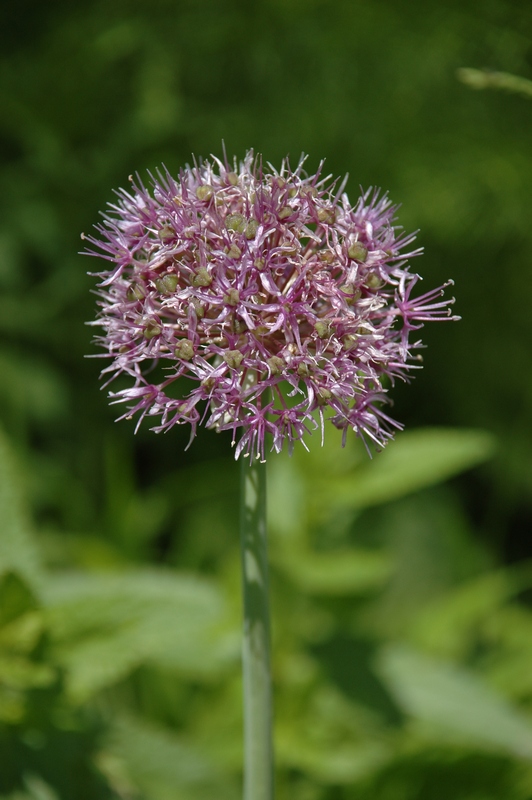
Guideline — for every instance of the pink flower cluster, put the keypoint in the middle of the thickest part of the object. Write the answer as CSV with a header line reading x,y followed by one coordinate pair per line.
x,y
260,299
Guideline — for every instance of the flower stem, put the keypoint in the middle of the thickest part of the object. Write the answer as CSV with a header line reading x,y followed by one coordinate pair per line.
x,y
258,749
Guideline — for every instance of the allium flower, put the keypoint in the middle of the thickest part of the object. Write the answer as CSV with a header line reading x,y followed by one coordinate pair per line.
x,y
267,299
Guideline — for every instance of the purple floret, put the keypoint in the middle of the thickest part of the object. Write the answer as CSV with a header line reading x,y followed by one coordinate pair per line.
x,y
275,297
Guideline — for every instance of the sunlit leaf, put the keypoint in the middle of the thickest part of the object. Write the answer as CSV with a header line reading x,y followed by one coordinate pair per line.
x,y
165,766
455,703
335,573
19,673
330,738
16,598
105,625
446,625
415,460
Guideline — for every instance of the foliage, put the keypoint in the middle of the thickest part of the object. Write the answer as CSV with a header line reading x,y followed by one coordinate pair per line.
x,y
376,687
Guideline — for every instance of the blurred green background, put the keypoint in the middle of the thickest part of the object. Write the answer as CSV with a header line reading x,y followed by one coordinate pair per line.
x,y
401,587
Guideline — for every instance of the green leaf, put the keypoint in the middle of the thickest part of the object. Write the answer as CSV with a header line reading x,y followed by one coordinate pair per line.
x,y
339,572
328,737
16,598
453,704
19,673
165,766
446,625
18,551
33,388
415,460
105,625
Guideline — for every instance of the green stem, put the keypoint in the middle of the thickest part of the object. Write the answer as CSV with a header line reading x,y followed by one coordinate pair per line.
x,y
258,749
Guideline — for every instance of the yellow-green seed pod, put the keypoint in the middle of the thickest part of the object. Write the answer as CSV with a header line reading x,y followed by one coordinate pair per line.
x,y
202,278
259,263
167,284
353,294
234,251
326,256
285,212
323,396
232,178
184,349
208,383
199,308
349,341
232,297
322,328
303,369
326,215
276,364
135,291
152,329
204,192
357,252
235,222
233,358
166,232
373,281
251,229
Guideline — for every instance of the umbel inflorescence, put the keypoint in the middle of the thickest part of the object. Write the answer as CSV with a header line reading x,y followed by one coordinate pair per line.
x,y
261,299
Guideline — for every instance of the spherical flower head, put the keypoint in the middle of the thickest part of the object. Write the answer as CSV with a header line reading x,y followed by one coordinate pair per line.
x,y
264,301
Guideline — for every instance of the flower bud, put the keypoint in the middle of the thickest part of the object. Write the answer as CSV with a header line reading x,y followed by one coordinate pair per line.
x,y
349,341
152,329
322,328
352,293
251,229
208,383
234,251
199,308
373,281
202,278
235,222
326,215
327,256
136,291
166,232
233,358
323,396
232,297
357,252
204,192
275,364
167,284
184,349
